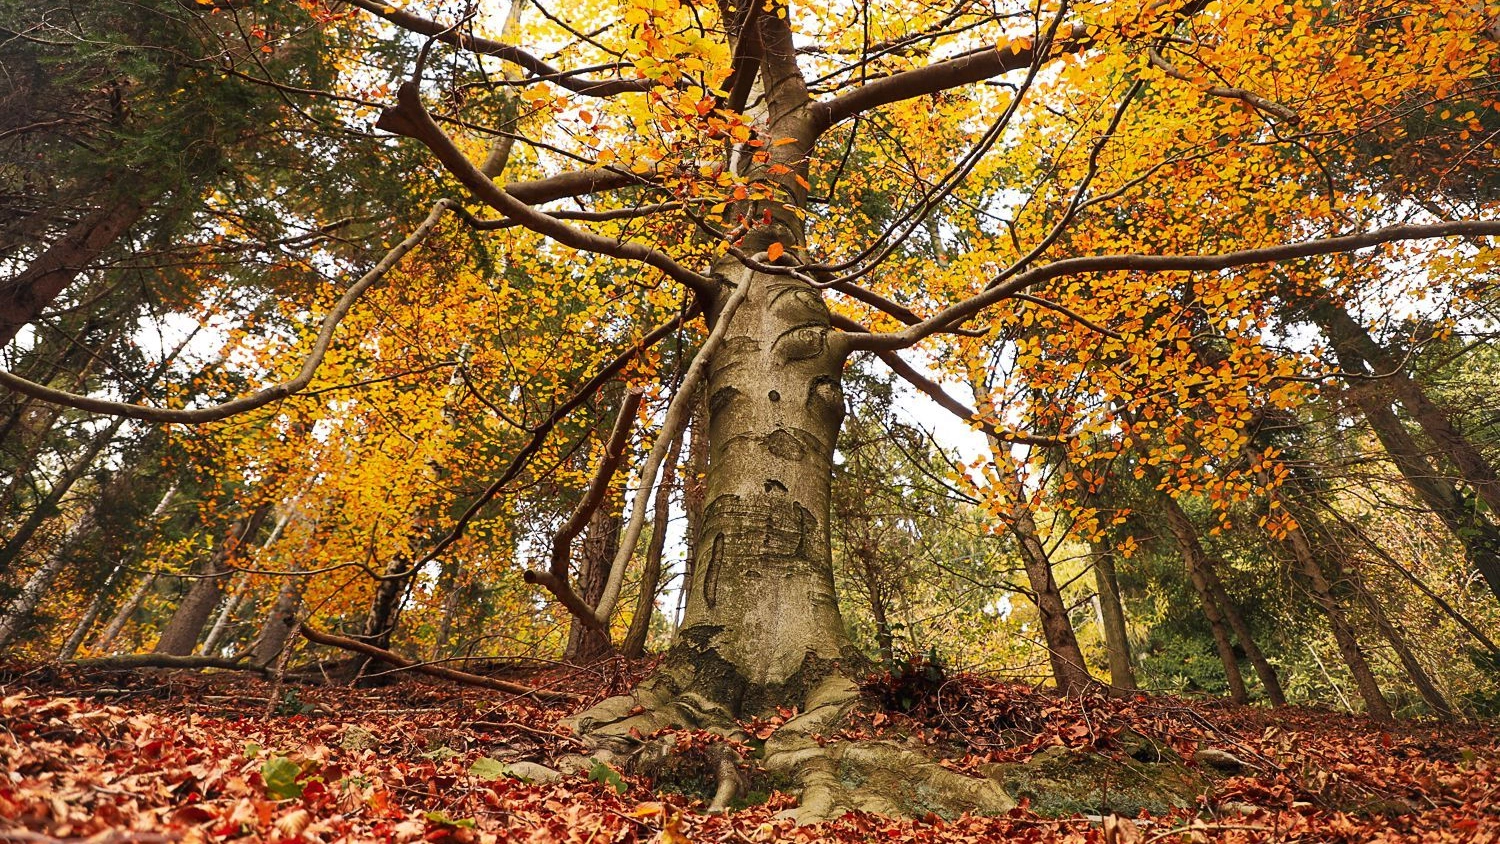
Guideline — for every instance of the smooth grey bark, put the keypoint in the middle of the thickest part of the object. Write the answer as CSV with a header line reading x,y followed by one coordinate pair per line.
x,y
122,615
81,630
634,646
180,636
1112,613
762,621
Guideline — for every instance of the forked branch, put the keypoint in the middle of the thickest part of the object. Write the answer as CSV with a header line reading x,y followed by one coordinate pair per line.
x,y
410,118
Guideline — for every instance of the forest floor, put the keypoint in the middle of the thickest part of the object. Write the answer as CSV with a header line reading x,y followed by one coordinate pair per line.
x,y
156,756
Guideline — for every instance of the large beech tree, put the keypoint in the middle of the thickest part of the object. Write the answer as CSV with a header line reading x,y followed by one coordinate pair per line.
x,y
1090,192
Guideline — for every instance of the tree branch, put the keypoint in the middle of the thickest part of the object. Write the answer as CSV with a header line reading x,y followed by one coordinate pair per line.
x,y
344,642
410,118
310,363
540,70
555,578
968,308
940,76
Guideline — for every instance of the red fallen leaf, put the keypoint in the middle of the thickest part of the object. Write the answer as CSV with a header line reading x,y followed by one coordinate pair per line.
x,y
192,815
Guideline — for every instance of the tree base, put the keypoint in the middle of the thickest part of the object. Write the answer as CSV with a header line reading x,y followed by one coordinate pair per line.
x,y
833,776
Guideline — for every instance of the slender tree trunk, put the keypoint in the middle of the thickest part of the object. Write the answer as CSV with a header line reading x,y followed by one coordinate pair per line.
x,y
885,641
11,552
601,541
81,630
1263,668
29,459
180,636
227,610
1193,558
276,632
1476,471
1068,666
1364,679
123,614
1112,614
385,613
25,602
645,605
694,487
1414,670
1357,351
24,297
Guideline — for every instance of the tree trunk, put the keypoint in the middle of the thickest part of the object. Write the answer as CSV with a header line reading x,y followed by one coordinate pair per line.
x,y
885,640
645,605
1356,352
26,600
385,613
81,630
1068,667
1112,612
123,614
48,506
693,490
1475,470
762,623
180,636
601,540
1193,558
1364,679
1414,670
1263,669
227,610
276,632
24,297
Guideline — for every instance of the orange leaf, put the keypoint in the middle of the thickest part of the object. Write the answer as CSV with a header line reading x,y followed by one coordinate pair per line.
x,y
775,251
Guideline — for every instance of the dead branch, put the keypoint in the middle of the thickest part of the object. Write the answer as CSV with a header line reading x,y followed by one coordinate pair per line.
x,y
127,662
348,644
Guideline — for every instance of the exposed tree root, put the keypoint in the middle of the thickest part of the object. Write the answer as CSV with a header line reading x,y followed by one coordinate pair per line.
x,y
832,777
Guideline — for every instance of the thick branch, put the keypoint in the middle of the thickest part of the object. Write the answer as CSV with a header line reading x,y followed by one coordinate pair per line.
x,y
410,118
540,432
129,662
941,76
968,308
344,642
539,69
